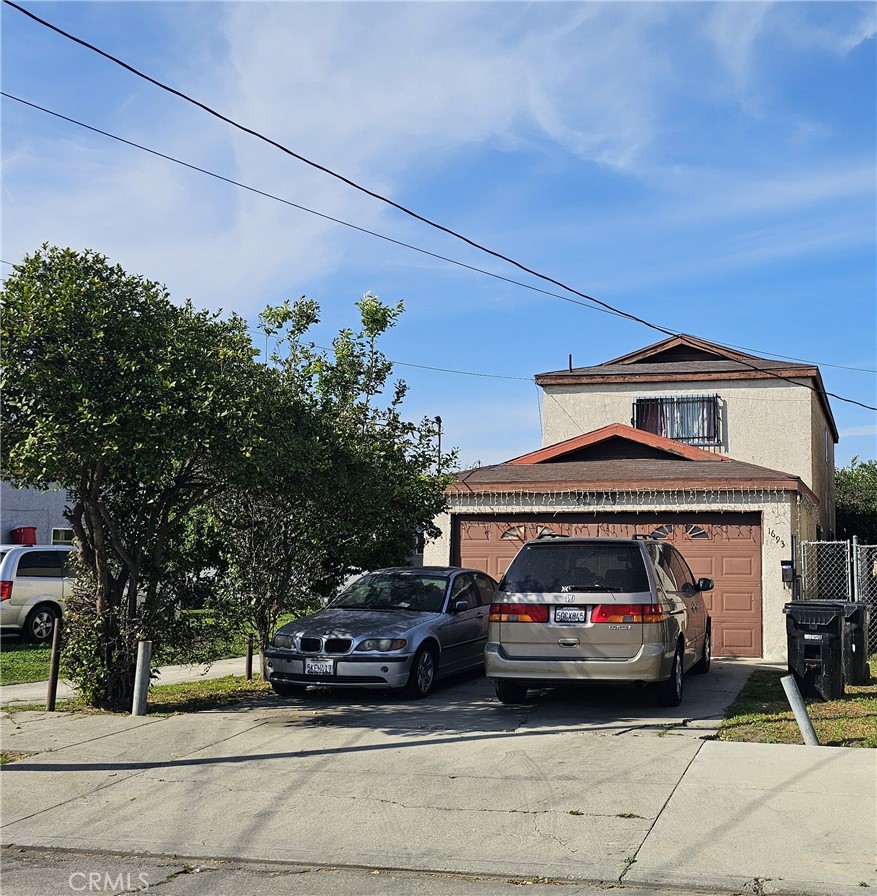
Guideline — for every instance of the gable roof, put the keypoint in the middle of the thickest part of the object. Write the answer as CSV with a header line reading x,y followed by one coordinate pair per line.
x,y
665,465
687,359
627,476
663,448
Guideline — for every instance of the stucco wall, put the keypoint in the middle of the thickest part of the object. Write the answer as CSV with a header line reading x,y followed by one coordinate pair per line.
x,y
25,507
767,422
823,468
782,516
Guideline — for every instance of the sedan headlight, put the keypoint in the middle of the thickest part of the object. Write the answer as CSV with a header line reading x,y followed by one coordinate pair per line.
x,y
382,645
286,641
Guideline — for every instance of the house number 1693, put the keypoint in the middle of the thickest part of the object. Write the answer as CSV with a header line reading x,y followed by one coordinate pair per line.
x,y
775,537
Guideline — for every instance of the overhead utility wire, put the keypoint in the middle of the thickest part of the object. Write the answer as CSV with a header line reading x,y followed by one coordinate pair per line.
x,y
325,170
310,211
373,233
381,198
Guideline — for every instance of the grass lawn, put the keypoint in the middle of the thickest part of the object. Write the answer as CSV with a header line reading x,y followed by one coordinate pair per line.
x,y
22,663
165,699
761,714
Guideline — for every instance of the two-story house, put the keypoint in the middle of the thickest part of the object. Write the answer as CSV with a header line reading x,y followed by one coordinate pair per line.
x,y
726,454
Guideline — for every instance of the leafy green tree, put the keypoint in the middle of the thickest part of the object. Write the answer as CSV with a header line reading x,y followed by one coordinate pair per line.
x,y
856,500
142,410
351,485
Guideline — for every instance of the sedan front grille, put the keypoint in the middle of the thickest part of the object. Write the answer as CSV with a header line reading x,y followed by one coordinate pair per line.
x,y
332,645
338,645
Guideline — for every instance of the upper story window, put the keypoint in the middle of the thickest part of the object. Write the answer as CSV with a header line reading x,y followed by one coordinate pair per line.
x,y
694,419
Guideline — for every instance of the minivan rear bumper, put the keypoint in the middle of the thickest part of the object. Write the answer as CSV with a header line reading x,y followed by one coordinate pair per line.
x,y
650,664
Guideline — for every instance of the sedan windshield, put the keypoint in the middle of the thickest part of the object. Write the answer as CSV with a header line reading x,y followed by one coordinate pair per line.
x,y
395,591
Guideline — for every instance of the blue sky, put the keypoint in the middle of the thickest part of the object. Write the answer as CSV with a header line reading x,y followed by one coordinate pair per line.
x,y
707,166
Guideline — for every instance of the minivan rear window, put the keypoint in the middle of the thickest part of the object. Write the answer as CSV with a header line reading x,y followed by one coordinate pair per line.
x,y
574,567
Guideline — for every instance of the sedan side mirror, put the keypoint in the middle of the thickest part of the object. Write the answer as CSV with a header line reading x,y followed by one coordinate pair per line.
x,y
705,584
460,606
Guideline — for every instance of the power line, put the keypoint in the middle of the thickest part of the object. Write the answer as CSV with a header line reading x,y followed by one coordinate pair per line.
x,y
351,183
375,234
390,202
310,211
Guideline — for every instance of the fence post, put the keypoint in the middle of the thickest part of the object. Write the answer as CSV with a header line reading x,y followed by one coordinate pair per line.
x,y
248,659
854,594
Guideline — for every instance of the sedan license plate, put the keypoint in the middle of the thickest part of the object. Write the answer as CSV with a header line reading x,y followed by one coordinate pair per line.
x,y
570,614
319,667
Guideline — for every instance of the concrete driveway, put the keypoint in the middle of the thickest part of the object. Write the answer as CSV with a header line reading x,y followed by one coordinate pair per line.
x,y
581,785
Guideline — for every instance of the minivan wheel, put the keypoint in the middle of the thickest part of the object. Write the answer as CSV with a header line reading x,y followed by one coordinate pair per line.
x,y
509,691
703,664
670,692
422,676
39,624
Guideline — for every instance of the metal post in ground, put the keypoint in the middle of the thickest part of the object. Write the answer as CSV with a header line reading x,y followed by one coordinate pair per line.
x,y
54,664
141,678
248,664
854,596
793,695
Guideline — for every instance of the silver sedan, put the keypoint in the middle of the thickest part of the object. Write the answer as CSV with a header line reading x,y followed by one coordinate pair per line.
x,y
392,628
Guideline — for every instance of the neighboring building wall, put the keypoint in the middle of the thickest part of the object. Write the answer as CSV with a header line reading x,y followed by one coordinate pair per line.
x,y
765,422
822,455
26,507
783,515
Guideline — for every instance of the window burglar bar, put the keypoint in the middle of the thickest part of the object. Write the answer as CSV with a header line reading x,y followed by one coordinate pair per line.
x,y
688,418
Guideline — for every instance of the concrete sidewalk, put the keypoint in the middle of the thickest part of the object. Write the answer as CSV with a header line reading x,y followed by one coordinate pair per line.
x,y
457,783
35,692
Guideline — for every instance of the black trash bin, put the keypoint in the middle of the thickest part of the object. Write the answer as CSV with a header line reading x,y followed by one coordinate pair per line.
x,y
856,669
814,630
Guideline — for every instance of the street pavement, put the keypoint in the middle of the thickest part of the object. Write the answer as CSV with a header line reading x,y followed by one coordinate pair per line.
x,y
570,791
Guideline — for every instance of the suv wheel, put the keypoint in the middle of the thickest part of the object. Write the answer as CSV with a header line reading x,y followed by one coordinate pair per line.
x,y
39,624
670,692
509,691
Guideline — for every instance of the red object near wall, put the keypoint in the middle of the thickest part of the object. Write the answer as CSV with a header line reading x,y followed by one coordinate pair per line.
x,y
24,535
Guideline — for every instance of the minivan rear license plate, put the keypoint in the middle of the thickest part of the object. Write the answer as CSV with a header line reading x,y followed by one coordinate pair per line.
x,y
319,667
570,614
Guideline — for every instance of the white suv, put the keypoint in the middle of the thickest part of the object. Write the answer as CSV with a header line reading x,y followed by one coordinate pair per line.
x,y
34,580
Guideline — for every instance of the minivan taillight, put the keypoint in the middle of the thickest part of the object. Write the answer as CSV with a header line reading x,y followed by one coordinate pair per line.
x,y
518,613
5,590
628,613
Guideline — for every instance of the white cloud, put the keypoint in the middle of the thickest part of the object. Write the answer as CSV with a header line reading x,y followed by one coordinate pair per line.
x,y
850,432
734,29
388,94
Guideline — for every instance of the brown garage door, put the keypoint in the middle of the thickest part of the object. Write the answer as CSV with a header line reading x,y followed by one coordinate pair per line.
x,y
726,547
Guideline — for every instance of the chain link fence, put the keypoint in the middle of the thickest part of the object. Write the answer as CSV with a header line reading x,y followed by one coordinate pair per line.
x,y
826,571
841,570
865,586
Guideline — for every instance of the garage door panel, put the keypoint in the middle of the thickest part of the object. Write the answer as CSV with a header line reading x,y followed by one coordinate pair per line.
x,y
738,565
723,547
737,602
734,641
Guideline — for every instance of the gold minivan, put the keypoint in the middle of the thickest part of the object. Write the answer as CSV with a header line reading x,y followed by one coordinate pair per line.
x,y
598,610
